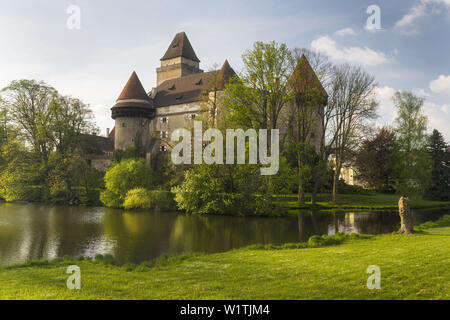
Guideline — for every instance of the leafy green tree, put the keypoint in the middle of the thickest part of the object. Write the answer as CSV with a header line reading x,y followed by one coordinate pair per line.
x,y
439,187
124,176
256,99
375,161
412,162
223,189
28,103
21,174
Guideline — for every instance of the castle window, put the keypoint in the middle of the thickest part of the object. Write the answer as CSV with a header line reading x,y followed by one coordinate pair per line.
x,y
162,148
192,116
123,125
164,120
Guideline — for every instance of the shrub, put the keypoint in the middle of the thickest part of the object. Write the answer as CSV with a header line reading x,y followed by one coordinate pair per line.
x,y
162,200
137,199
127,175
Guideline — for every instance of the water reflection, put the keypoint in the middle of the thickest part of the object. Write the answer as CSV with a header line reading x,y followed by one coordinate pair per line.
x,y
32,231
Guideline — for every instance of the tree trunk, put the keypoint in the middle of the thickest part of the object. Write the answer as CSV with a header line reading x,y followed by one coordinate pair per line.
x,y
335,183
301,192
315,189
406,221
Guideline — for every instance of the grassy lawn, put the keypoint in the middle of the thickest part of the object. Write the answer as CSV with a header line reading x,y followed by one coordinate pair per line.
x,y
412,267
374,201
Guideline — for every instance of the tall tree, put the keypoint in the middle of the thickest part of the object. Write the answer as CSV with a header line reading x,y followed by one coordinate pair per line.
x,y
352,101
374,161
256,99
412,164
439,186
28,103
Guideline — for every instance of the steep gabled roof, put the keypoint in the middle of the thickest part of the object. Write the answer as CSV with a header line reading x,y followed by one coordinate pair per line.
x,y
224,75
180,47
133,89
304,77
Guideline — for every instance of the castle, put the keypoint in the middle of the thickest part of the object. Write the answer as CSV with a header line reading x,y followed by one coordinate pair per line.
x,y
146,119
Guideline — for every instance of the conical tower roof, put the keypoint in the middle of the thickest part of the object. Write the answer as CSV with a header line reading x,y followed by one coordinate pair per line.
x,y
305,78
133,89
133,101
180,47
224,75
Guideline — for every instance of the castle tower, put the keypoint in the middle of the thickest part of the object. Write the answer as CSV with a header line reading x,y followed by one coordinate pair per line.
x,y
132,114
178,61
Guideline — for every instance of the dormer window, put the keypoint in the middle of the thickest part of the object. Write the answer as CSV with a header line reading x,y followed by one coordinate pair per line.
x,y
172,87
199,82
179,98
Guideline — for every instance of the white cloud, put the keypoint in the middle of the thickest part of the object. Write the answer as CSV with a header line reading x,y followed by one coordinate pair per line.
x,y
441,84
419,10
386,109
359,55
346,32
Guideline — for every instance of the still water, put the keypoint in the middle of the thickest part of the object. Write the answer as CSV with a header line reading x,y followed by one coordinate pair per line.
x,y
36,231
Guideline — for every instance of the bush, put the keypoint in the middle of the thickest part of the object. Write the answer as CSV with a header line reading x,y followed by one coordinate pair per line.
x,y
137,199
162,200
127,175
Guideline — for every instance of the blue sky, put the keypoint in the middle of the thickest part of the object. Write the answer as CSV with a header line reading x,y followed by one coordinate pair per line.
x,y
410,52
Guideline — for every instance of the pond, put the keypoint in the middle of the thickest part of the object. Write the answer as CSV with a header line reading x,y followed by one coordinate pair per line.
x,y
37,231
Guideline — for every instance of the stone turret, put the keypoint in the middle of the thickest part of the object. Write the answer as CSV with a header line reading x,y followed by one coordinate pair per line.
x,y
178,61
132,114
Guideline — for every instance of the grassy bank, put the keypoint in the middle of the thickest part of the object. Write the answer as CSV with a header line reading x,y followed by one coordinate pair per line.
x,y
412,267
376,201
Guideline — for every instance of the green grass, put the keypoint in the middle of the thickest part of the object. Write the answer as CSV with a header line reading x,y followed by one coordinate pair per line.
x,y
376,201
412,267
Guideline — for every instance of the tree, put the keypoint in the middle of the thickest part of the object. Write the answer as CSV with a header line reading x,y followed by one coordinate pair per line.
x,y
439,186
412,163
256,99
223,189
127,175
304,116
375,161
28,103
352,102
49,129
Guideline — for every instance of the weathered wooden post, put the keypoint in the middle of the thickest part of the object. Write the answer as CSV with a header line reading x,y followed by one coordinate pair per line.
x,y
406,221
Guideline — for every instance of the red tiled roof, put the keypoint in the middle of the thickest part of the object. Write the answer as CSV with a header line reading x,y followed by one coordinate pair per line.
x,y
304,77
133,89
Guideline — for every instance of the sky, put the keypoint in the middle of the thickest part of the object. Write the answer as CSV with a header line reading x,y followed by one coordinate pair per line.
x,y
92,57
